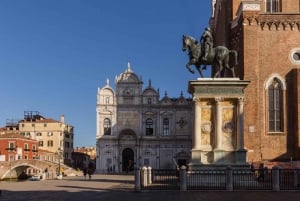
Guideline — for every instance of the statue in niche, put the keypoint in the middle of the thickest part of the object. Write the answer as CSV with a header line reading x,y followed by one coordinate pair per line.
x,y
205,54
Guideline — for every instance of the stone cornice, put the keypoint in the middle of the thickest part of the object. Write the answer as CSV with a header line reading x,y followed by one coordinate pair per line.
x,y
278,21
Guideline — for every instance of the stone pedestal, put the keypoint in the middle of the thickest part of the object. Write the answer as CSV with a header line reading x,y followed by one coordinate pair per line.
x,y
241,156
219,122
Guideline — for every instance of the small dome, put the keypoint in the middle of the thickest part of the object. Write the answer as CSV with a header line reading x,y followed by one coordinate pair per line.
x,y
166,100
150,91
107,89
128,76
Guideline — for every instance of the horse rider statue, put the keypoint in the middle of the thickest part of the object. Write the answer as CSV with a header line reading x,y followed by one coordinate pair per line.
x,y
207,42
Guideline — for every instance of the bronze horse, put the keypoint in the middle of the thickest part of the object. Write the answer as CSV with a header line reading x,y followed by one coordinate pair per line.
x,y
217,56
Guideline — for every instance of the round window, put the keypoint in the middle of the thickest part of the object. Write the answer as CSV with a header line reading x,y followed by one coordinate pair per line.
x,y
296,56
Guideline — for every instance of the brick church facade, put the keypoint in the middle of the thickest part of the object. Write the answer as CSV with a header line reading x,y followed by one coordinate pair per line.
x,y
266,35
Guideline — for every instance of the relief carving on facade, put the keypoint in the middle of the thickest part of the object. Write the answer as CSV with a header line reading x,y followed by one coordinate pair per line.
x,y
206,128
205,139
206,114
227,114
228,141
228,128
206,125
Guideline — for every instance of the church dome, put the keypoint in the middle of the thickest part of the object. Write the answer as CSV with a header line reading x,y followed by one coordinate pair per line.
x,y
128,76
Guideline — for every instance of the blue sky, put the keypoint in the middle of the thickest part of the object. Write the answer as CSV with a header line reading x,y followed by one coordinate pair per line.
x,y
54,54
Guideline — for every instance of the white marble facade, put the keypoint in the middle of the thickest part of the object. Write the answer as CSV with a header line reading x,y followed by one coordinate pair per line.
x,y
219,116
136,128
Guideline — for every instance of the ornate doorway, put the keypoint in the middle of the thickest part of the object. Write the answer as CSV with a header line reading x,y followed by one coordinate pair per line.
x,y
127,160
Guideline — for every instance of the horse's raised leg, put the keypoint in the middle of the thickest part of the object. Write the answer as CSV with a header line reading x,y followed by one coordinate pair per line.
x,y
188,67
199,70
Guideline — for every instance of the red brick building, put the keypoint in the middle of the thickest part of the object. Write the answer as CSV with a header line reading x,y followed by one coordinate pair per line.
x,y
13,146
266,35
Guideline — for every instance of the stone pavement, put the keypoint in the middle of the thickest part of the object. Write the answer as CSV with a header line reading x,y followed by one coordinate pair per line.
x,y
121,188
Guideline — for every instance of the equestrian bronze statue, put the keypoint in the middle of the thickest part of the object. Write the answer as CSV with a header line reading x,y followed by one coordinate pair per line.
x,y
205,54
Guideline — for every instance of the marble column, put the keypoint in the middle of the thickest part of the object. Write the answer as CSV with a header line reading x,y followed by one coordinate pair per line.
x,y
240,124
197,127
218,125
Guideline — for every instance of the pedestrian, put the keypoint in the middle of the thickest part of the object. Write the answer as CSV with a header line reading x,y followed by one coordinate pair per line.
x,y
90,170
84,172
252,169
261,172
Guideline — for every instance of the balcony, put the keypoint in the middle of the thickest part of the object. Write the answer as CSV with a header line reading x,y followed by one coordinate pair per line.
x,y
10,149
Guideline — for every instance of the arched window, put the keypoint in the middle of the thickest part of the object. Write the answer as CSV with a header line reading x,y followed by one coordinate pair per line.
x,y
273,6
107,126
107,100
166,130
149,127
275,108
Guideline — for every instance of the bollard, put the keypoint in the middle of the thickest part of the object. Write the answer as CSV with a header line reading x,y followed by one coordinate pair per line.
x,y
137,179
229,178
43,176
144,176
149,176
182,178
275,178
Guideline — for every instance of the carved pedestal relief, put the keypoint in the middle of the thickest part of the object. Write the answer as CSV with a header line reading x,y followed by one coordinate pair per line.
x,y
206,126
228,129
218,132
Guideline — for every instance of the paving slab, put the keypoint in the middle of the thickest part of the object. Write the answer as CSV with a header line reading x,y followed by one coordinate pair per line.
x,y
121,188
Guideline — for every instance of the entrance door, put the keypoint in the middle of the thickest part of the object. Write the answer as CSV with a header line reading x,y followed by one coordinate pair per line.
x,y
127,160
181,162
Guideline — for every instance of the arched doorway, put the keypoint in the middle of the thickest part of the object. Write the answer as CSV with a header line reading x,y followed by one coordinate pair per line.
x,y
127,160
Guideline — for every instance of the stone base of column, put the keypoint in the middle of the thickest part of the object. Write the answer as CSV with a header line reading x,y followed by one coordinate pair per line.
x,y
196,156
202,156
241,156
219,156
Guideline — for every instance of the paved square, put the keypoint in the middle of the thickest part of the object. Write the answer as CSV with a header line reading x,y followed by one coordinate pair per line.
x,y
121,188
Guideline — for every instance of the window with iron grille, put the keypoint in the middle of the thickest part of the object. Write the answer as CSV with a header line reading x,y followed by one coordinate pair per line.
x,y
166,130
149,127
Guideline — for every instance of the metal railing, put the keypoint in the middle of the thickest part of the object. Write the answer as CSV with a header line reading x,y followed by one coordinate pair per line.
x,y
244,179
217,179
206,179
164,180
289,179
